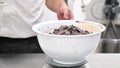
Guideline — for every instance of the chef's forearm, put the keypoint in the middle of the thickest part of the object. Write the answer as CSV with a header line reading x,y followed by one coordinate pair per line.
x,y
55,5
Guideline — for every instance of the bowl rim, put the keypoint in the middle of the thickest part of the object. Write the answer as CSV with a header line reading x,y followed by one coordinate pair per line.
x,y
34,27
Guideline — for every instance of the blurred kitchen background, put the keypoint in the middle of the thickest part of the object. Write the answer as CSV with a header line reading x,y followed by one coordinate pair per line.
x,y
106,12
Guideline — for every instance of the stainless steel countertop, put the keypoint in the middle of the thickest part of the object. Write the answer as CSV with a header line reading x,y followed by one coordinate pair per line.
x,y
36,60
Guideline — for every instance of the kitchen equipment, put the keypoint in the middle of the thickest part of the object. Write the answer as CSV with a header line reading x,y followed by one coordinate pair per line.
x,y
79,8
96,10
70,49
110,42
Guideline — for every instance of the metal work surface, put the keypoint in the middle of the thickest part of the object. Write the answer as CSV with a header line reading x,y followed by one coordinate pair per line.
x,y
38,61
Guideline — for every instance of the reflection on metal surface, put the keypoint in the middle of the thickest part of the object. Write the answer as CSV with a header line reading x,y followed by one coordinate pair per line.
x,y
46,65
49,66
110,46
49,63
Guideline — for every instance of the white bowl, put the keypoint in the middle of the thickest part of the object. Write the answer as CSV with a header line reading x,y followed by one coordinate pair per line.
x,y
68,49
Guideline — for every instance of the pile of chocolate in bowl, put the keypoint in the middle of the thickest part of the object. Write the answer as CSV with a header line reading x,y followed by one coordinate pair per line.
x,y
69,30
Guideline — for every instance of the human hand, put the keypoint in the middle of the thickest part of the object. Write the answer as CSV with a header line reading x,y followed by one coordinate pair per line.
x,y
64,13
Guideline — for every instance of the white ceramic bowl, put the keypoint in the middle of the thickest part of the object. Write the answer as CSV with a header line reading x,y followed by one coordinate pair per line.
x,y
68,49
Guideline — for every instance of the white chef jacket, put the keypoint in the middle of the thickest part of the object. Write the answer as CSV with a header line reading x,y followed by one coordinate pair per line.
x,y
18,16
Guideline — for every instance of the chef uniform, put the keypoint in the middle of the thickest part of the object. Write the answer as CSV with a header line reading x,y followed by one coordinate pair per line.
x,y
16,20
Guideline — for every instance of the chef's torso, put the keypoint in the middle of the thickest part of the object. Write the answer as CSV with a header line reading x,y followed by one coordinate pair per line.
x,y
18,16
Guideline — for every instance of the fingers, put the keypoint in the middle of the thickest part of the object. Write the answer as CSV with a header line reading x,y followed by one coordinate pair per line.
x,y
70,15
59,15
65,14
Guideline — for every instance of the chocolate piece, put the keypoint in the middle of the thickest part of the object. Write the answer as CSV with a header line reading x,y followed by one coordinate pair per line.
x,y
69,30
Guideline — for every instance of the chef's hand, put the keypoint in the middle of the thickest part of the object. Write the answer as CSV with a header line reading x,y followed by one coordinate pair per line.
x,y
64,13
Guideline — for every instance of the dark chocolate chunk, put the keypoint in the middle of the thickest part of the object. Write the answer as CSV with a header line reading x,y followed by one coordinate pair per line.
x,y
69,30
